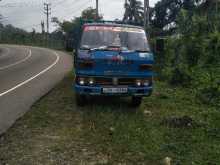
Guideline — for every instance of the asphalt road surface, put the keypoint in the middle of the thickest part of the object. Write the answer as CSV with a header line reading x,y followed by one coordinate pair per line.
x,y
27,74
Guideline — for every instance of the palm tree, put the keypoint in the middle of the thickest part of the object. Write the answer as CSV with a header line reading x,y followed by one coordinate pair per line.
x,y
134,12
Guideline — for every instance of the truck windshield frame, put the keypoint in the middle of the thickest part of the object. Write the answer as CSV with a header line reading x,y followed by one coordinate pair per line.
x,y
105,37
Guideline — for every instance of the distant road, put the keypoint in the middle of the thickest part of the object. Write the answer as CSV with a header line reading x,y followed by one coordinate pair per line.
x,y
27,74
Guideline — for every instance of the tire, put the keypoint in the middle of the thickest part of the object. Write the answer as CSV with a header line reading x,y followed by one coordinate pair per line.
x,y
80,100
136,101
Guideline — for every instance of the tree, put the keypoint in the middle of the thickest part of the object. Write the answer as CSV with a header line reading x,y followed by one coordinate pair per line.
x,y
73,29
165,12
134,12
90,14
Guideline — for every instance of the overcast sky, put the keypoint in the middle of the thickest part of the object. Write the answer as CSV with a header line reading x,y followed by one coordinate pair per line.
x,y
28,14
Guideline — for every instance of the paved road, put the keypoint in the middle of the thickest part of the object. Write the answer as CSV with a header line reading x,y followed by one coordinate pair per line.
x,y
27,74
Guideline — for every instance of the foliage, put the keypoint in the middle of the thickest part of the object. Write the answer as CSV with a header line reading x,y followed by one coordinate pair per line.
x,y
12,35
165,14
73,29
90,14
134,12
192,56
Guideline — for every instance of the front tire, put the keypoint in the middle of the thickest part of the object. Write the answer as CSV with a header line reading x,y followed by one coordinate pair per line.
x,y
136,101
80,100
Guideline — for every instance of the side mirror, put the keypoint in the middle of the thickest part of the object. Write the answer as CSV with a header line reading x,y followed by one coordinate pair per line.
x,y
160,45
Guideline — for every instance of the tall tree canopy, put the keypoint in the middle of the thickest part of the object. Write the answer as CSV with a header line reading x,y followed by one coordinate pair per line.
x,y
165,13
73,28
134,12
90,14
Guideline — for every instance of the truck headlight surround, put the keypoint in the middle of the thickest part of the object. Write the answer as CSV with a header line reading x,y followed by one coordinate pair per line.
x,y
146,82
138,83
91,81
81,81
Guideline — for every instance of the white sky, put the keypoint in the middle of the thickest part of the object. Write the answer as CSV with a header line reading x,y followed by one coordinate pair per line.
x,y
28,14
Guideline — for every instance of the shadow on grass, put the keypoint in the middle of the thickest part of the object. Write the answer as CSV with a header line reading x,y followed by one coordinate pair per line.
x,y
109,103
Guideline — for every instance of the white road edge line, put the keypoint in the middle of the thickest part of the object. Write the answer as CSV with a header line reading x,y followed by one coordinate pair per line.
x,y
18,62
30,79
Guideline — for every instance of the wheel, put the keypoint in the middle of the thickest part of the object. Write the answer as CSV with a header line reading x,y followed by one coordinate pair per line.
x,y
80,100
136,101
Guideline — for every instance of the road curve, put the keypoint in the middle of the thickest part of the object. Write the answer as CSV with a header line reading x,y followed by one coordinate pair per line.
x,y
27,74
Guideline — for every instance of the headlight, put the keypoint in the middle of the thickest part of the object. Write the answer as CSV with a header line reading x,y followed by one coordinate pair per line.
x,y
146,82
138,83
85,81
81,81
91,81
143,82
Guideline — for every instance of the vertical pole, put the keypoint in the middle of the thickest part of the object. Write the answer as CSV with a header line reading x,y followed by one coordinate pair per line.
x,y
145,14
97,10
47,11
0,35
47,19
148,13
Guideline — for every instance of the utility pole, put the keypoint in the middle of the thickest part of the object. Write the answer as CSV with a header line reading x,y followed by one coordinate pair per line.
x,y
47,11
97,9
146,14
42,27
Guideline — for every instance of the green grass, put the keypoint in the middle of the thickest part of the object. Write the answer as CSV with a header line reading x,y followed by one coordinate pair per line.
x,y
109,131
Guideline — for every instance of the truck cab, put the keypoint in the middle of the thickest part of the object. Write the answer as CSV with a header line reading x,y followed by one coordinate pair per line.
x,y
113,60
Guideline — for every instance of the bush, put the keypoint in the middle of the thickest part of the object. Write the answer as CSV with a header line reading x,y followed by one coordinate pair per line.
x,y
180,77
210,96
192,57
207,84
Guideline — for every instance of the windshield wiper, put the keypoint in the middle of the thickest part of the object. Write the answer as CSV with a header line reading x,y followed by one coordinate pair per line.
x,y
107,48
85,47
104,47
100,48
142,51
93,49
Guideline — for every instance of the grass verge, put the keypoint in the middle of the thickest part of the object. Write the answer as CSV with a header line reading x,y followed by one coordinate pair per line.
x,y
108,131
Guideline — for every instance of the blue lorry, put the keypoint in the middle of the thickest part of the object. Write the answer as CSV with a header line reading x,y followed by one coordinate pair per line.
x,y
113,60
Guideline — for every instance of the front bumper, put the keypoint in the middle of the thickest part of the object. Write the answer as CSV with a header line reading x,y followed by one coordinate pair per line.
x,y
97,91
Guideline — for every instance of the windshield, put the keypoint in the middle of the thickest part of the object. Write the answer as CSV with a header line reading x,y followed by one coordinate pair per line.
x,y
121,37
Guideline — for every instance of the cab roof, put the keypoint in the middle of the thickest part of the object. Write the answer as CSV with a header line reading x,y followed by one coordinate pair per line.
x,y
113,24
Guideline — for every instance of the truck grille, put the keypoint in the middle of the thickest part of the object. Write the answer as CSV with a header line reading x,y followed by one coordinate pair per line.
x,y
114,81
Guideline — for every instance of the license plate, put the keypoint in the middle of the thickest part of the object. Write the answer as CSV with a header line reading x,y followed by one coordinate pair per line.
x,y
115,90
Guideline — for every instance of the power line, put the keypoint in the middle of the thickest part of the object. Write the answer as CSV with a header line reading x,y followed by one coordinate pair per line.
x,y
61,3
30,26
21,4
47,10
70,9
78,9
